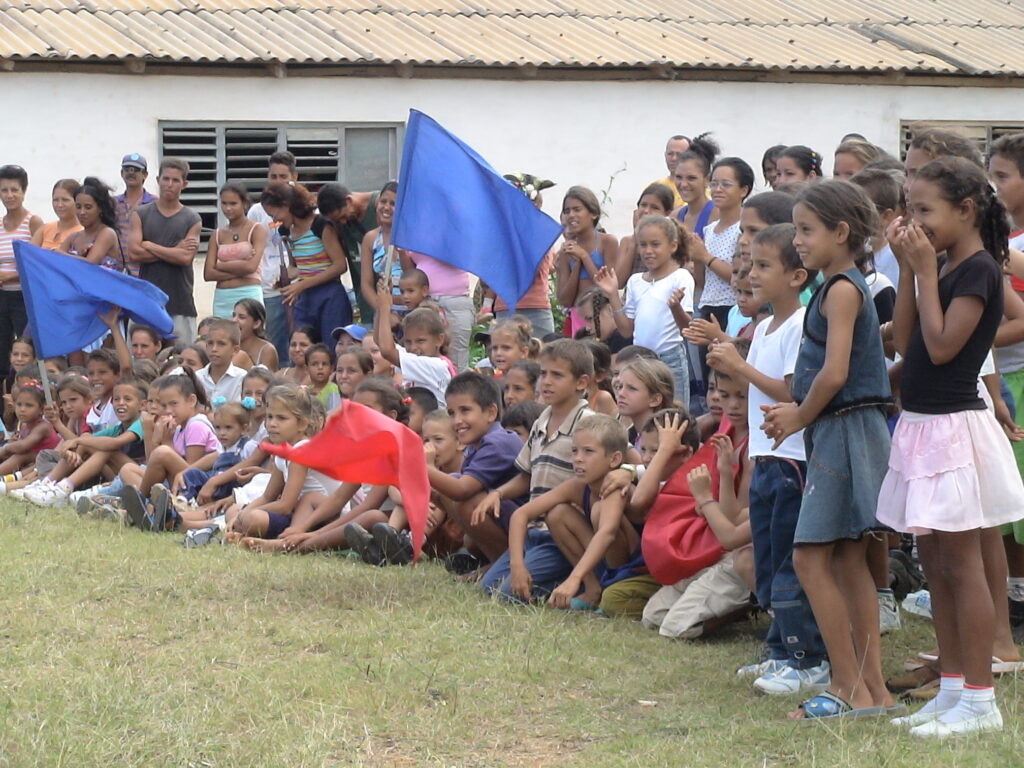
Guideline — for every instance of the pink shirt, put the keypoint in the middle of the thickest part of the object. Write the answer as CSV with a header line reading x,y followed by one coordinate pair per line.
x,y
445,280
197,431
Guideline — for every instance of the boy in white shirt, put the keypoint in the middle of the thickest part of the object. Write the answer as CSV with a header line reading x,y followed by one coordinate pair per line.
x,y
796,654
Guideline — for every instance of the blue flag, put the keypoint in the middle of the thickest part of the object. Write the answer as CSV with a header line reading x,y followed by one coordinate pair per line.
x,y
453,206
64,294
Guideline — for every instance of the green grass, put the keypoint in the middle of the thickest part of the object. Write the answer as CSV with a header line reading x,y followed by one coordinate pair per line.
x,y
123,649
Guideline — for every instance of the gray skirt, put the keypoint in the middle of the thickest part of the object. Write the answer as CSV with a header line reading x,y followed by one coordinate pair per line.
x,y
847,458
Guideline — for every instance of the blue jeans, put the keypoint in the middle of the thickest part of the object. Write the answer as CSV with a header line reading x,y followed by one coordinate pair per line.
x,y
540,319
544,560
678,360
776,491
325,307
278,332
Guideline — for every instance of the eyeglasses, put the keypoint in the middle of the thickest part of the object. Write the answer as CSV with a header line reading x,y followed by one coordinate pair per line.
x,y
130,169
722,184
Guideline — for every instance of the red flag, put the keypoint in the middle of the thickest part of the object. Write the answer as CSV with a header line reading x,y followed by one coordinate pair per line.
x,y
360,445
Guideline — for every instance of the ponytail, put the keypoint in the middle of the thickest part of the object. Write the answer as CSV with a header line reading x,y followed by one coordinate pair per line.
x,y
959,179
187,383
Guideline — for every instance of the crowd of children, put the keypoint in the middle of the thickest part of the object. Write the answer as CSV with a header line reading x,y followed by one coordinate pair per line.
x,y
766,399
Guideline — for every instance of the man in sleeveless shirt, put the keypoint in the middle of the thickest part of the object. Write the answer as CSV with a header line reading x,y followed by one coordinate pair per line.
x,y
353,215
164,239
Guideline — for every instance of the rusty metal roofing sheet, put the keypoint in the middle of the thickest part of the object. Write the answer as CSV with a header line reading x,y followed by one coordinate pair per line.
x,y
945,36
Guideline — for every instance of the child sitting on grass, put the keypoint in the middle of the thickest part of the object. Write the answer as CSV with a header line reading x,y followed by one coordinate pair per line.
x,y
74,395
34,433
544,462
720,593
667,442
601,534
101,454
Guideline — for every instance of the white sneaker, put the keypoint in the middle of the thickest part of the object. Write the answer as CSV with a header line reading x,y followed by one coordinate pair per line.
x,y
888,613
917,718
919,603
19,493
990,721
88,493
761,668
792,680
48,495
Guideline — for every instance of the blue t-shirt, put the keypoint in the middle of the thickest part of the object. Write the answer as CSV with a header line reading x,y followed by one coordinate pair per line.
x,y
492,461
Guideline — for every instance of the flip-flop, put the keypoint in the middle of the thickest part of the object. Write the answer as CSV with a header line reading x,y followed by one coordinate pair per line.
x,y
135,507
897,709
582,605
828,706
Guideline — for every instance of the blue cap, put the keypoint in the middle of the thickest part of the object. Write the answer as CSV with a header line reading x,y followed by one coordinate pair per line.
x,y
134,160
357,332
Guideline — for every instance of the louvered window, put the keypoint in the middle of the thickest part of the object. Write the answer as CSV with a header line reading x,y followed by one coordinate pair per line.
x,y
983,134
361,156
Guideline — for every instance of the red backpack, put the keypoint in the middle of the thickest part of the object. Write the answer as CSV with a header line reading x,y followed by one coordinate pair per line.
x,y
677,542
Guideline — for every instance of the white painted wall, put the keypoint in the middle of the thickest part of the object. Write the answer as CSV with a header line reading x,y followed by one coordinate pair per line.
x,y
572,132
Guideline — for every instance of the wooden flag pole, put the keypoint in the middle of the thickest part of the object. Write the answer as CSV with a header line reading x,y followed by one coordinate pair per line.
x,y
45,379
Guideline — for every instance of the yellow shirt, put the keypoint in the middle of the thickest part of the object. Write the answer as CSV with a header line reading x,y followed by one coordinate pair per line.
x,y
668,183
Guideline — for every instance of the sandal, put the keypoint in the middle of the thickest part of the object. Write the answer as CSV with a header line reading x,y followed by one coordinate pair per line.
x,y
160,498
828,706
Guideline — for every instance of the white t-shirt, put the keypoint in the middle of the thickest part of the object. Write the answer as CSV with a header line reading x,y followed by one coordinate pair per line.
x,y
316,482
272,253
647,306
228,386
423,371
102,418
886,264
773,354
722,245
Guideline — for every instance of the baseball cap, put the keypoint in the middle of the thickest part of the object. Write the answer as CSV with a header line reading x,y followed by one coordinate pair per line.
x,y
134,160
357,332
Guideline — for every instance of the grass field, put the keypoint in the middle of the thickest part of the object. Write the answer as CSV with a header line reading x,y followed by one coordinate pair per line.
x,y
123,649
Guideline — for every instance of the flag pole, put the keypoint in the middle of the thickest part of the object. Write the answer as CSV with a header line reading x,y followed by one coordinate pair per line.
x,y
45,379
389,264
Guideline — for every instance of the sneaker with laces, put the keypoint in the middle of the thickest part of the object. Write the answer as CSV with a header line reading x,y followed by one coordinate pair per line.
x,y
19,493
359,539
762,668
888,613
792,680
396,546
919,603
48,495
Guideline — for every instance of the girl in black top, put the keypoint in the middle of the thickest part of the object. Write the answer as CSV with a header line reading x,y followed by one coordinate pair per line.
x,y
951,471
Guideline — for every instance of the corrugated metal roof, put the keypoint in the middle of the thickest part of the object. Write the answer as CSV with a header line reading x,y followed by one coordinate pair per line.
x,y
917,36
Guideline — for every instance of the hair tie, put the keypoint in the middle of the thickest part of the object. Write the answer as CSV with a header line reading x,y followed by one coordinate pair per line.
x,y
249,403
218,401
33,383
407,400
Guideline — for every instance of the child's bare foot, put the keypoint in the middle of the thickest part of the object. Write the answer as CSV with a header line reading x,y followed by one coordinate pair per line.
x,y
264,546
591,596
233,537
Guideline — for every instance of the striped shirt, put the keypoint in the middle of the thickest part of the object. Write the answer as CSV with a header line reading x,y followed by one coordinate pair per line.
x,y
123,220
309,253
549,462
7,263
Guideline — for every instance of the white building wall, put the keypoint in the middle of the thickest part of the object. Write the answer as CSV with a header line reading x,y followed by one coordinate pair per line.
x,y
572,132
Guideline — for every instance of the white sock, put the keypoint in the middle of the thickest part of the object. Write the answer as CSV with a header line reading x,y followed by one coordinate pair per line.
x,y
65,485
1015,588
974,702
950,689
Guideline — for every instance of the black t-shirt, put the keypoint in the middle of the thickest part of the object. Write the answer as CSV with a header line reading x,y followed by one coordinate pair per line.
x,y
173,279
953,387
